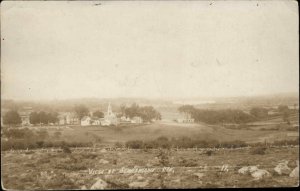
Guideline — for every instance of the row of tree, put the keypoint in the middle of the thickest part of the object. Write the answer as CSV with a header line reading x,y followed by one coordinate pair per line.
x,y
82,111
12,118
147,113
43,117
232,115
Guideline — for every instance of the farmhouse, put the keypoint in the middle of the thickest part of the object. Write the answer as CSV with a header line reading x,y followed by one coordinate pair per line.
x,y
95,121
25,115
136,119
67,118
186,118
125,119
62,120
85,121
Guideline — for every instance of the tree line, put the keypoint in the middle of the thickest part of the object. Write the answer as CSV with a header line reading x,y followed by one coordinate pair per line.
x,y
147,113
43,117
232,115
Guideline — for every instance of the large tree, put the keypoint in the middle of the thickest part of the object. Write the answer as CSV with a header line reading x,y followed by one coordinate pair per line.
x,y
34,118
123,108
98,114
81,111
188,109
12,118
43,117
52,117
147,113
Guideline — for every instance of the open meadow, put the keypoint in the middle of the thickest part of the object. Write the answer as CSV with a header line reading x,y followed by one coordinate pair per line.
x,y
98,167
111,135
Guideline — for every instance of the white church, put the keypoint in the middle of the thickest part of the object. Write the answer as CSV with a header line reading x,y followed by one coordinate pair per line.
x,y
110,118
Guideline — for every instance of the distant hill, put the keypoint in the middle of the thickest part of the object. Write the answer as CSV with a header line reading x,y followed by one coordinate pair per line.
x,y
101,103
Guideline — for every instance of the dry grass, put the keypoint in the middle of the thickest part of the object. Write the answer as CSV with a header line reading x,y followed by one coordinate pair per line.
x,y
69,171
111,135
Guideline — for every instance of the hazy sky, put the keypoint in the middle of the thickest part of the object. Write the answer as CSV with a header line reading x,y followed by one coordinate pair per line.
x,y
148,49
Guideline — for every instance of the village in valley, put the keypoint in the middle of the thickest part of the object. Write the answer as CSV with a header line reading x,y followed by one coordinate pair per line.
x,y
110,140
122,95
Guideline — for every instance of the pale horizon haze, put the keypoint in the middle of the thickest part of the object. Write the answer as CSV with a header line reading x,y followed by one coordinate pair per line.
x,y
151,49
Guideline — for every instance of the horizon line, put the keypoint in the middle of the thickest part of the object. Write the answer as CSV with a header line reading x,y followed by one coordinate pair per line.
x,y
154,97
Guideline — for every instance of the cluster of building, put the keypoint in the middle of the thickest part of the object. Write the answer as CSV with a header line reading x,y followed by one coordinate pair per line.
x,y
110,118
70,118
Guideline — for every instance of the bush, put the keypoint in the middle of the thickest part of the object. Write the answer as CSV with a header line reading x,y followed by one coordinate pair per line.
x,y
163,142
135,144
233,144
163,157
66,149
258,150
187,163
209,153
119,145
150,145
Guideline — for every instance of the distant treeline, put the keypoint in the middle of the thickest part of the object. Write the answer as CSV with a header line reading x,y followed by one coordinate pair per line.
x,y
217,116
232,115
147,113
43,117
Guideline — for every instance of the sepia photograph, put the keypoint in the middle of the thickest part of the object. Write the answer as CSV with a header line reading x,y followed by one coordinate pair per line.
x,y
110,95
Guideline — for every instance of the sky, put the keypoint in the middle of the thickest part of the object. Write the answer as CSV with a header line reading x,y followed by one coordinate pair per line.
x,y
151,49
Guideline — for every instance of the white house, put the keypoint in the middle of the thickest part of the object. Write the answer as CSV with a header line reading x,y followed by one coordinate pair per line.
x,y
95,121
25,115
125,119
86,121
67,118
136,119
62,120
186,118
104,122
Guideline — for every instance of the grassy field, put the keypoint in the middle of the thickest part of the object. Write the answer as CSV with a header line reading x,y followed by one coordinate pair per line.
x,y
40,170
111,135
71,171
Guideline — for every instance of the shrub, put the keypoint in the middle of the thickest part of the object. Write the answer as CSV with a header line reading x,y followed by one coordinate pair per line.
x,y
150,145
135,144
209,152
187,163
66,149
90,156
40,144
163,157
258,150
119,145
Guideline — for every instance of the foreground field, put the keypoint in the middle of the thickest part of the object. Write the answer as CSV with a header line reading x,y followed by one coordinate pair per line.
x,y
111,135
188,169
